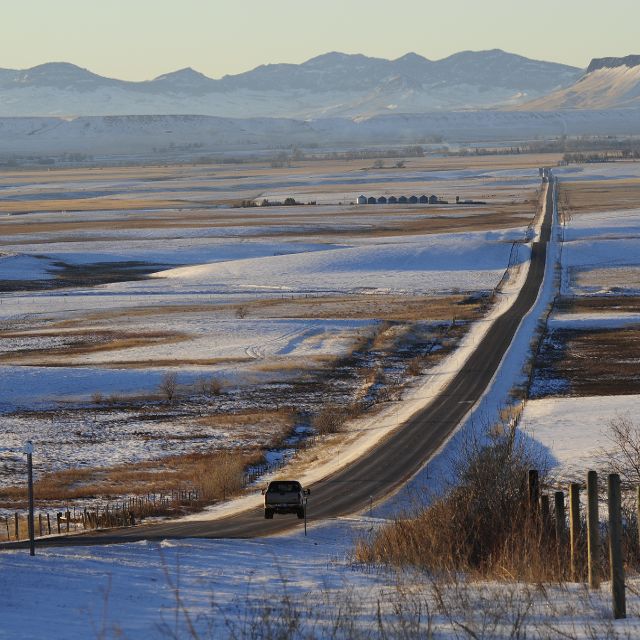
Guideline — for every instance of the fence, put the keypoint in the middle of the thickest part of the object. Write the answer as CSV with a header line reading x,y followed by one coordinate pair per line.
x,y
579,554
123,513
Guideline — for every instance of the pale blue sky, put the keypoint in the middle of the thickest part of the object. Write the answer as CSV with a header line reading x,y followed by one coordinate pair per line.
x,y
140,39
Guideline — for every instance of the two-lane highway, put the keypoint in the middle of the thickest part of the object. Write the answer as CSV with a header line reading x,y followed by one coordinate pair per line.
x,y
395,459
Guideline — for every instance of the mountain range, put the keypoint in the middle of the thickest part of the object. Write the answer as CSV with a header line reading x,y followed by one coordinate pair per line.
x,y
333,84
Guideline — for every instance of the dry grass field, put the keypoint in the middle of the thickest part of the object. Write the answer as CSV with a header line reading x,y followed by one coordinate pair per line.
x,y
593,362
599,195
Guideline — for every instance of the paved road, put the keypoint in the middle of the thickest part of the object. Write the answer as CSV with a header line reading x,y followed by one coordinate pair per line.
x,y
393,460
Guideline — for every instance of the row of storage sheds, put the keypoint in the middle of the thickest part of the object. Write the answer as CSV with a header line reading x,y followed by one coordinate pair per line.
x,y
399,200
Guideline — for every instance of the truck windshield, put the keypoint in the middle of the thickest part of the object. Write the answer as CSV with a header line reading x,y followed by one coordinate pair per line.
x,y
283,487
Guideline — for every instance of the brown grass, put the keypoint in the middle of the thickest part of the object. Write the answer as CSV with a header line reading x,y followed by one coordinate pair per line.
x,y
378,222
84,343
604,195
611,278
137,204
483,526
164,474
195,470
592,304
249,422
593,362
357,306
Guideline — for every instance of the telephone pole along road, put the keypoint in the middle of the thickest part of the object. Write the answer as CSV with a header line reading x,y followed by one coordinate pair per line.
x,y
393,460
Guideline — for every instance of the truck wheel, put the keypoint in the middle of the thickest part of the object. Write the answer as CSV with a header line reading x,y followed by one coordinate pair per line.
x,y
268,514
300,513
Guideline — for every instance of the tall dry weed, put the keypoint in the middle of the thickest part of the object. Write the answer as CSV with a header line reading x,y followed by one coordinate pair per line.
x,y
482,525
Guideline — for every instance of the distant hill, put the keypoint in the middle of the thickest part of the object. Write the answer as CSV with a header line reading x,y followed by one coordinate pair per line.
x,y
333,84
609,83
158,137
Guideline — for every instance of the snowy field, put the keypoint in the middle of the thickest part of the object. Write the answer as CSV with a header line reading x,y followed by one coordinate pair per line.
x,y
110,279
600,257
575,433
601,252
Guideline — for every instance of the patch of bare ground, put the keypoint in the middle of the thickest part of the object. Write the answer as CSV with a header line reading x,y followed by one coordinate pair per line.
x,y
246,423
353,307
601,195
610,278
381,307
86,275
82,343
591,304
589,362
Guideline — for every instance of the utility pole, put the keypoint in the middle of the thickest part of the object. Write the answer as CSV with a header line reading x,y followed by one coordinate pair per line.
x,y
28,450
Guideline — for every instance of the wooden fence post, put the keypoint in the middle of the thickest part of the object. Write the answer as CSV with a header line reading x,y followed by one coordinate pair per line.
x,y
545,513
58,518
574,527
48,524
638,509
593,530
6,524
40,524
17,525
533,481
68,518
615,547
561,519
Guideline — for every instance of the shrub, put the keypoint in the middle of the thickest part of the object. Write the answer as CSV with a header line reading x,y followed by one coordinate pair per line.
x,y
414,368
208,386
221,477
330,420
169,386
481,525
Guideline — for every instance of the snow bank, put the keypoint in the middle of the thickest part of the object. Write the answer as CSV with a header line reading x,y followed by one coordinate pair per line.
x,y
131,590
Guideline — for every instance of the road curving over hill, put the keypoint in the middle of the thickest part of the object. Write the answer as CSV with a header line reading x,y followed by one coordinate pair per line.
x,y
392,461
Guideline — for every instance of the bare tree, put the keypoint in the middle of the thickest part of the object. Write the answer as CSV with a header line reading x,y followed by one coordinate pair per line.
x,y
169,386
208,386
241,311
624,456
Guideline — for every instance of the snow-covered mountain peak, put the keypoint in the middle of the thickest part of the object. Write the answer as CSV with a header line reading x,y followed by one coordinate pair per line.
x,y
332,84
188,73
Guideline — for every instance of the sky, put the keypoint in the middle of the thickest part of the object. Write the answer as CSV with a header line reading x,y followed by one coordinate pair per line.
x,y
141,39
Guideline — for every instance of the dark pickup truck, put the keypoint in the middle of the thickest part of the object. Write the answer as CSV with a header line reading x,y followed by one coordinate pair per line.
x,y
284,496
